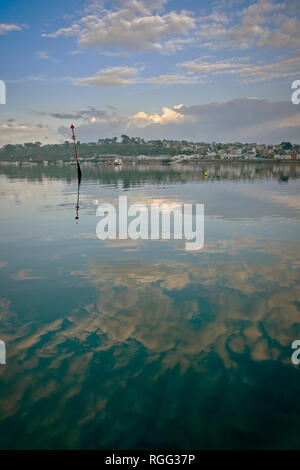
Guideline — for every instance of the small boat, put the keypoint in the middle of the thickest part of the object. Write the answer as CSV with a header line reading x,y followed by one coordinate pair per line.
x,y
118,162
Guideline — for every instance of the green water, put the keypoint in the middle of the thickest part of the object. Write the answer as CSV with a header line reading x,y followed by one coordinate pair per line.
x,y
142,344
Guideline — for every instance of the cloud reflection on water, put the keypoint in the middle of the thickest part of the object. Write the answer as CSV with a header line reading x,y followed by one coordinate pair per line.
x,y
169,314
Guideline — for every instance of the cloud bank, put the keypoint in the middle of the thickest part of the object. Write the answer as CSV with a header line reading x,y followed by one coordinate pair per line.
x,y
243,120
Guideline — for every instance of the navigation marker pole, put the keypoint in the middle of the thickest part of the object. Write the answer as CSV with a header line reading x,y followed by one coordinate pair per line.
x,y
77,161
78,173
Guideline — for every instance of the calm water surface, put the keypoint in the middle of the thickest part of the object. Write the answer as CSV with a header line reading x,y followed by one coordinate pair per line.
x,y
141,344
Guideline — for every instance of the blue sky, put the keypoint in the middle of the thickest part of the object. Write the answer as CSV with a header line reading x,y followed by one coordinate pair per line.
x,y
201,70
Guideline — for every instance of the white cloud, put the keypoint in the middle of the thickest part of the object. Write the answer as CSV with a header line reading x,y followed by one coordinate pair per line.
x,y
65,32
132,26
20,133
6,28
284,67
266,24
122,30
287,67
201,67
138,25
119,76
173,79
253,23
285,37
42,55
211,27
111,77
142,119
171,46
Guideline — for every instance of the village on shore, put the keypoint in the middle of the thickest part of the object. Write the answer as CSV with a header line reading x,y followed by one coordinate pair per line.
x,y
138,150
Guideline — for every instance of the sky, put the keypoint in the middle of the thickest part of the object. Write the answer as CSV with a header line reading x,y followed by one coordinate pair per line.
x,y
218,70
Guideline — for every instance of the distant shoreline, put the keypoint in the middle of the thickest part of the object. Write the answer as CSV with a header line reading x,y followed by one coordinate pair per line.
x,y
149,161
